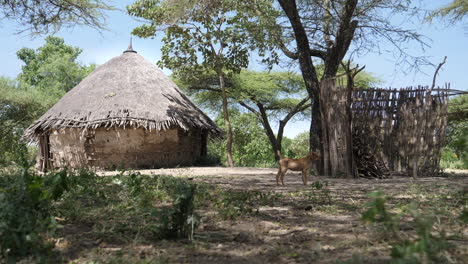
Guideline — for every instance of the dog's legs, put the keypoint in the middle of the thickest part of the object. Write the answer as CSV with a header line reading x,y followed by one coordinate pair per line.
x,y
304,176
283,172
278,176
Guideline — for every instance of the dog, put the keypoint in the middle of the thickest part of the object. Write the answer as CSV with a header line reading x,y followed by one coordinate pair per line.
x,y
302,164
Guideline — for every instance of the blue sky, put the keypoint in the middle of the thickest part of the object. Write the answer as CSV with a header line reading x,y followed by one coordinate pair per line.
x,y
450,41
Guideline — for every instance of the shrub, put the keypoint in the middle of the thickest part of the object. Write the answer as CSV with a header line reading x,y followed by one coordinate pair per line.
x,y
425,246
176,220
26,219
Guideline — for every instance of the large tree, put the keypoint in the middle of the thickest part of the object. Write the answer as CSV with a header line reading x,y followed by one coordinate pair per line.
x,y
328,30
271,97
40,17
203,36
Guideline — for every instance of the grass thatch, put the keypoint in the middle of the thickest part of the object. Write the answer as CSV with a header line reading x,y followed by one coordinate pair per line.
x,y
127,91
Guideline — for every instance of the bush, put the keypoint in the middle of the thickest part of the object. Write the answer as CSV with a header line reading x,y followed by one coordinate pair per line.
x,y
169,200
26,219
427,245
29,202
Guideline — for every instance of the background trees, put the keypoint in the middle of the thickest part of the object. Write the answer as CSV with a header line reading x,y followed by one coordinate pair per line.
x,y
455,154
49,72
273,98
53,67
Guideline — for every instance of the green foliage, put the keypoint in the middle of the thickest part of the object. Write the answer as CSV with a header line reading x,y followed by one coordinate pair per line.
x,y
18,108
179,220
48,73
426,245
455,11
455,153
52,68
299,146
26,211
204,35
167,203
39,17
160,207
318,194
233,204
377,212
251,147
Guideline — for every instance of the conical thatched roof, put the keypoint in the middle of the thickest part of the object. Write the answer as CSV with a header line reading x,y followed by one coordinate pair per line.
x,y
126,91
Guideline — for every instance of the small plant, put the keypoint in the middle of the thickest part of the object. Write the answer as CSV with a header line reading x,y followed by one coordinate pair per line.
x,y
377,212
180,220
424,246
232,204
319,193
267,198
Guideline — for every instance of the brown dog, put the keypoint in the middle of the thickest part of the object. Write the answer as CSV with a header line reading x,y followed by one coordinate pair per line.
x,y
302,164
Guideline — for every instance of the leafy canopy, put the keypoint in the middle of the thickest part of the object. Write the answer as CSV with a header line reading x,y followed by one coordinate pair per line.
x,y
53,67
204,34
455,11
41,17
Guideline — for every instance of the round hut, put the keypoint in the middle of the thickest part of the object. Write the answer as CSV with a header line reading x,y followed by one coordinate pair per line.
x,y
125,114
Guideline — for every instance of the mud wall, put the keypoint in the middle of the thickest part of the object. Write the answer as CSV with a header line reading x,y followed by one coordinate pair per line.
x,y
115,148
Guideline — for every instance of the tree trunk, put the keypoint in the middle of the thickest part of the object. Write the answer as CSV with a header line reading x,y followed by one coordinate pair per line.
x,y
274,141
227,123
351,170
309,75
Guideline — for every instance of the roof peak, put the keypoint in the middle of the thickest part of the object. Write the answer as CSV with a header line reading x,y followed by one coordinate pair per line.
x,y
130,48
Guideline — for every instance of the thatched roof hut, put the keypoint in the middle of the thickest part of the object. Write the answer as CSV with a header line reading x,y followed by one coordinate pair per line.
x,y
125,113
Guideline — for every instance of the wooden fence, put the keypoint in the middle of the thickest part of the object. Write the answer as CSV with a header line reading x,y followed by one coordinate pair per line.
x,y
385,130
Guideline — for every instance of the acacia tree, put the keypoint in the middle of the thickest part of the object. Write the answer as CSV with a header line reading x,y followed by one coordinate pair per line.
x,y
328,30
275,96
271,97
202,36
454,11
40,17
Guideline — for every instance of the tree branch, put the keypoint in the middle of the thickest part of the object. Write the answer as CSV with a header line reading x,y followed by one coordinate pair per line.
x,y
437,71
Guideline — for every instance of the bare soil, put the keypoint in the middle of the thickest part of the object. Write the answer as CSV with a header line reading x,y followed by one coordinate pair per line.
x,y
293,229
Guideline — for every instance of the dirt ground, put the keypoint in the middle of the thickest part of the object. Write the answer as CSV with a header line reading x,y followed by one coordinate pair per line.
x,y
292,229
264,179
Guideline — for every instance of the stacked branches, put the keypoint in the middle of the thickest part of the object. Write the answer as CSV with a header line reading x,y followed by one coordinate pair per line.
x,y
404,129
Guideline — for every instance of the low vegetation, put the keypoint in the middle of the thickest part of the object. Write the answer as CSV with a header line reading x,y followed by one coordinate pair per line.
x,y
82,217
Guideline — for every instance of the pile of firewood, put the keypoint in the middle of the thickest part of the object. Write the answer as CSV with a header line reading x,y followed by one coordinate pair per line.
x,y
368,164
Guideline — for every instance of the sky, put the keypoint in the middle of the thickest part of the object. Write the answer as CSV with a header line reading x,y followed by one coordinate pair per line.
x,y
99,47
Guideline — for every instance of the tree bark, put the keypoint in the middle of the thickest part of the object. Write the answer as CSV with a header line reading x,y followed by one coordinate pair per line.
x,y
275,141
227,123
337,50
309,75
